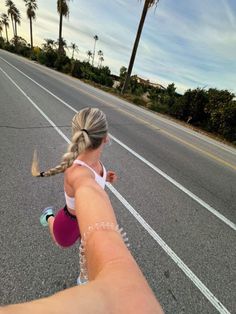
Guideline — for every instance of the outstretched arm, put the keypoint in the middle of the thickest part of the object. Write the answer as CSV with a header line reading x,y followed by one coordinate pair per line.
x,y
116,283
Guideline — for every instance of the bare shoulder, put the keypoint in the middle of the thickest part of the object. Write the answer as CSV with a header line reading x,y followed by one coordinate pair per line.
x,y
76,174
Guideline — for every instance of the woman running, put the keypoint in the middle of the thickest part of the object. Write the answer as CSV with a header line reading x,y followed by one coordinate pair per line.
x,y
89,135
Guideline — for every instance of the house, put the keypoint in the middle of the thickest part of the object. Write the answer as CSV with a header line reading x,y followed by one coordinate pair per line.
x,y
147,82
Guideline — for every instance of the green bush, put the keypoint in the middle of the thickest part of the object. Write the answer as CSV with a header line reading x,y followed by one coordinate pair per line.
x,y
9,47
61,61
48,57
85,70
192,106
221,110
24,51
2,43
66,68
159,107
139,101
33,56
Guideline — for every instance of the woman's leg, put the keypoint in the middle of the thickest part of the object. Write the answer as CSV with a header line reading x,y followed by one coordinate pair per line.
x,y
63,227
47,219
50,221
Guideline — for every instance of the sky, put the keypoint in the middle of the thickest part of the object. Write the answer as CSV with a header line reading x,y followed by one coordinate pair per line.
x,y
191,43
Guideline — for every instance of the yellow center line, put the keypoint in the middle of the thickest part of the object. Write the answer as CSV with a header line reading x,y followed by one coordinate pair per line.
x,y
226,163
204,152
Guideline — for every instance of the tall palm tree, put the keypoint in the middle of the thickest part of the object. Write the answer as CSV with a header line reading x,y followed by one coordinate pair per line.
x,y
147,4
90,54
63,44
63,10
49,44
5,23
74,48
1,28
101,61
17,18
95,41
10,12
100,54
31,6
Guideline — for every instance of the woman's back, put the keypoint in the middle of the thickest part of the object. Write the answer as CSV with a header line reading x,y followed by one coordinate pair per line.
x,y
78,170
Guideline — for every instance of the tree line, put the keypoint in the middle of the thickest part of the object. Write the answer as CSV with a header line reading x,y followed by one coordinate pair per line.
x,y
63,11
212,110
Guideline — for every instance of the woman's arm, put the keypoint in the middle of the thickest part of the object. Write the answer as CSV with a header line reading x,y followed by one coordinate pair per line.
x,y
110,263
116,283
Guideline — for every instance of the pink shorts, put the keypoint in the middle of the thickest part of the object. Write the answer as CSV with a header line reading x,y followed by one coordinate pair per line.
x,y
65,228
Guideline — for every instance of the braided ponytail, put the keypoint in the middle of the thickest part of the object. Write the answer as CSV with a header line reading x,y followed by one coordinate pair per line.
x,y
89,127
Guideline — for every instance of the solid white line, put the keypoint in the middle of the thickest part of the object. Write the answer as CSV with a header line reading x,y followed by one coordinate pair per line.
x,y
45,89
178,185
197,282
159,171
34,104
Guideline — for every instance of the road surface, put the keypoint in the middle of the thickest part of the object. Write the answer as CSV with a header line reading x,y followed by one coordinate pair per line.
x,y
175,197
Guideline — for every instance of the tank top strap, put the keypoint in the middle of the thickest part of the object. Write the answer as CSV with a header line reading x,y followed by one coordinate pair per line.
x,y
104,172
101,180
82,163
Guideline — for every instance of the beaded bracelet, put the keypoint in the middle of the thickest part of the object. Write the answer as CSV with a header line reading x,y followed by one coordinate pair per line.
x,y
106,226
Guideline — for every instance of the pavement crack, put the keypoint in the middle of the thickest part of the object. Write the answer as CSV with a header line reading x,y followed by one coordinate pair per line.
x,y
172,294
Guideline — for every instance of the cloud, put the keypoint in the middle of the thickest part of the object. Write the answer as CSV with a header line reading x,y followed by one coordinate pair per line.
x,y
191,43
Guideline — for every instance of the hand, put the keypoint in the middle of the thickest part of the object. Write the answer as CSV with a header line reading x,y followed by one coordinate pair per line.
x,y
111,176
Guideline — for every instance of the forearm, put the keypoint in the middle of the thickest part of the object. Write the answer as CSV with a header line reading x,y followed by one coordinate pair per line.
x,y
110,263
77,300
116,283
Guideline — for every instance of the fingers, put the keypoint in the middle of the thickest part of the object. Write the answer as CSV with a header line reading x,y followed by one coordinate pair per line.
x,y
111,176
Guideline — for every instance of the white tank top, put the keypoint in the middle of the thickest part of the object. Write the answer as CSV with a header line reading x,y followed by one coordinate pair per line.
x,y
70,201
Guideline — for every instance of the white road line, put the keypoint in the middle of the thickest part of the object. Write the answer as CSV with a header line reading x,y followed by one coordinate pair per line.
x,y
196,281
45,89
159,171
178,185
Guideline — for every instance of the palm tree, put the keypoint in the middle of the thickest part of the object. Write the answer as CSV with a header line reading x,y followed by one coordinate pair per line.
x,y
10,12
74,48
1,28
5,23
95,41
63,10
147,4
31,7
101,61
63,44
89,53
100,54
49,44
17,18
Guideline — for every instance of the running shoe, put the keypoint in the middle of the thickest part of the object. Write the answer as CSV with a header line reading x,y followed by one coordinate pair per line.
x,y
48,211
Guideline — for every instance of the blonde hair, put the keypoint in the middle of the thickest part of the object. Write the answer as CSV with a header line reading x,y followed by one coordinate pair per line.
x,y
89,127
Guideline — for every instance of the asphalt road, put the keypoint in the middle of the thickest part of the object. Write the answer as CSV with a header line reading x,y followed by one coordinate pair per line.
x,y
175,197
